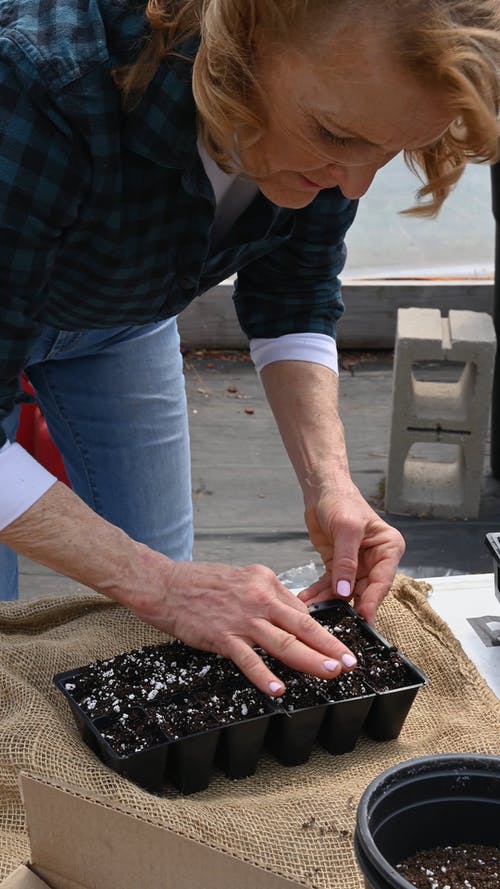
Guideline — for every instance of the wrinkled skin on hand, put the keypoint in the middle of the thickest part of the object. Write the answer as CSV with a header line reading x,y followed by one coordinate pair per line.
x,y
232,610
356,546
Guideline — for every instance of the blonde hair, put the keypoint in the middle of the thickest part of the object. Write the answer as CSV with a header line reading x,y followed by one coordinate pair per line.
x,y
453,45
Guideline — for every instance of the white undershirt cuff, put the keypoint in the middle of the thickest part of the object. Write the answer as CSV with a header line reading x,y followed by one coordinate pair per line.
x,y
317,348
22,482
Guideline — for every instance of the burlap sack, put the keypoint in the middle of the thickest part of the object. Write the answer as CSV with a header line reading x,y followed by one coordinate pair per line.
x,y
297,822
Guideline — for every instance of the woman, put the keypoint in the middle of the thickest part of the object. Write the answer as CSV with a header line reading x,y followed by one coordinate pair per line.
x,y
142,159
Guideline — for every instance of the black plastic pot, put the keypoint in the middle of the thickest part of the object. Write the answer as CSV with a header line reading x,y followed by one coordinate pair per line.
x,y
190,761
343,723
291,736
145,767
442,800
389,710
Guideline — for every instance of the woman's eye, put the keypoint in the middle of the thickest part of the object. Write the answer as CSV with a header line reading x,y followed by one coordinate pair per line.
x,y
333,139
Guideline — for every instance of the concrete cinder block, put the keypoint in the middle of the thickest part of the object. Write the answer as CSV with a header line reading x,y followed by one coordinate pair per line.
x,y
443,374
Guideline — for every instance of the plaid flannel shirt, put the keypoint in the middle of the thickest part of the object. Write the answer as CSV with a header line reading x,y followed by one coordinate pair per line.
x,y
105,215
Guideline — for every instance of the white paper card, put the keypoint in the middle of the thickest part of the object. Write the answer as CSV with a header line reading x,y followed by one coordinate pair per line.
x,y
471,609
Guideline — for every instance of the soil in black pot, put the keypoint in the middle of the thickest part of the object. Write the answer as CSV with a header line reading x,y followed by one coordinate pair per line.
x,y
229,705
187,715
131,732
468,866
210,668
383,668
301,691
343,687
183,716
150,674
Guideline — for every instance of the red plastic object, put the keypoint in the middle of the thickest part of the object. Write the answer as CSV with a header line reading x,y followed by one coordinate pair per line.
x,y
26,429
34,436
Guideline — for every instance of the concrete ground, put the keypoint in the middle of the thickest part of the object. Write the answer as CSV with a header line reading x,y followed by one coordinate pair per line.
x,y
247,503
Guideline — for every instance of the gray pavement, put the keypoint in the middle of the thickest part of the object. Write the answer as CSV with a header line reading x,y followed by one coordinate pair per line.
x,y
247,503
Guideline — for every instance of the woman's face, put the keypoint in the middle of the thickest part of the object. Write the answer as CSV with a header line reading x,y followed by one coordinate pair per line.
x,y
336,124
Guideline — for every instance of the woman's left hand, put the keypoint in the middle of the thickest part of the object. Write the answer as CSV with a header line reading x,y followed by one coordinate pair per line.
x,y
359,550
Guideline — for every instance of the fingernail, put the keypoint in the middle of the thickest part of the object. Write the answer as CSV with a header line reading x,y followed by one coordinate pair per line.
x,y
275,687
330,665
344,588
348,660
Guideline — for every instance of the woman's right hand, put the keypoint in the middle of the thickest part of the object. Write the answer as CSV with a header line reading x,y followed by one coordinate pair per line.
x,y
232,610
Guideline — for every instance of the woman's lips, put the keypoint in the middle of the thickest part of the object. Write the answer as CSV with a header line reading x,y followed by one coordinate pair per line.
x,y
309,184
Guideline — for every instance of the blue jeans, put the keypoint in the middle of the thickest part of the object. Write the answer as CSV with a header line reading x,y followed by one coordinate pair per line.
x,y
115,405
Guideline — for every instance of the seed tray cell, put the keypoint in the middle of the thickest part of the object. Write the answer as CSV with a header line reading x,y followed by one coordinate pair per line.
x,y
391,677
172,714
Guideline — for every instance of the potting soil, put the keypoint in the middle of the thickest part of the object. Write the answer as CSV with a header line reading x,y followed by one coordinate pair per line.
x,y
453,867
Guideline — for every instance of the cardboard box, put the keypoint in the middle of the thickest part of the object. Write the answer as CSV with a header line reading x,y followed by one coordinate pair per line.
x,y
82,843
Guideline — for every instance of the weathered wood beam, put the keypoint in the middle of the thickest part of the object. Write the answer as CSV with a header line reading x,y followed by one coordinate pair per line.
x,y
370,317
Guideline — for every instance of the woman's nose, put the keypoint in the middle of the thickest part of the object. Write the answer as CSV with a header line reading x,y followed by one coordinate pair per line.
x,y
354,182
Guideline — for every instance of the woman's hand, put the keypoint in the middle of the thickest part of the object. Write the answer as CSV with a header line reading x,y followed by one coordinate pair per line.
x,y
232,611
359,550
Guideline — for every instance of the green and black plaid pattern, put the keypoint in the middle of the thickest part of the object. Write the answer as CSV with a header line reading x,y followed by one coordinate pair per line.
x,y
105,215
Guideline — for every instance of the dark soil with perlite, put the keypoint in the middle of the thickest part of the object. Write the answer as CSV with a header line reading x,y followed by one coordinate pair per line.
x,y
453,867
379,665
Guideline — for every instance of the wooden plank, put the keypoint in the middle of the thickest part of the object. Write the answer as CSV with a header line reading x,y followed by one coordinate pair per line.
x,y
369,321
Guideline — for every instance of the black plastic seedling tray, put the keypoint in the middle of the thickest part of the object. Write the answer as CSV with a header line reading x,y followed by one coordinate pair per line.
x,y
336,712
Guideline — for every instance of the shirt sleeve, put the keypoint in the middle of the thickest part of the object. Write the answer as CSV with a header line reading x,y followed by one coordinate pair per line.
x,y
22,482
295,288
42,174
316,348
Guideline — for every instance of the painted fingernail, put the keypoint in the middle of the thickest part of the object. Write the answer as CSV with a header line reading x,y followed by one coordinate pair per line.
x,y
344,588
331,665
348,660
275,687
